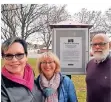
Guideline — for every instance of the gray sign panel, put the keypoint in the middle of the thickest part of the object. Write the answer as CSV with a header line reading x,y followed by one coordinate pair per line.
x,y
71,46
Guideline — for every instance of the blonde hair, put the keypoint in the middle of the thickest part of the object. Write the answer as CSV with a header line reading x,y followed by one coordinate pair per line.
x,y
52,56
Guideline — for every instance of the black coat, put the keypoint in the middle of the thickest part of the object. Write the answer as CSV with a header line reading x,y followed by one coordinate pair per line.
x,y
14,92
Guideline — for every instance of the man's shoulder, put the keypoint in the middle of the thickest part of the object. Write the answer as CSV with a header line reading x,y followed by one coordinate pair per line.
x,y
90,64
91,61
110,57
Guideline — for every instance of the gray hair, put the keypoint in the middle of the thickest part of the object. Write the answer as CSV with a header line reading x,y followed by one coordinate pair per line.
x,y
106,38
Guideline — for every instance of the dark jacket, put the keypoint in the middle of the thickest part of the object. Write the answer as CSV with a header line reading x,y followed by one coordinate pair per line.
x,y
14,92
98,81
66,90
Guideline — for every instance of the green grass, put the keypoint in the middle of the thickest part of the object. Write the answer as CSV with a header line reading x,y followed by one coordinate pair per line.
x,y
33,63
78,80
80,86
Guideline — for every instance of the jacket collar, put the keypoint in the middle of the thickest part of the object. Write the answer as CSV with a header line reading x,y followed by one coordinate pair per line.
x,y
28,79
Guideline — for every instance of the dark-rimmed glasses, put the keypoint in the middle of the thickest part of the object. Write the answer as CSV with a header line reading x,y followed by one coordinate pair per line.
x,y
18,56
101,44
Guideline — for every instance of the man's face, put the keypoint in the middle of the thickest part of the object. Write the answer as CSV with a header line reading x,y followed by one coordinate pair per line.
x,y
100,48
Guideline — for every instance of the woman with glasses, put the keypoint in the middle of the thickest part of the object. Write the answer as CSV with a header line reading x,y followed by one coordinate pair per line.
x,y
54,86
17,83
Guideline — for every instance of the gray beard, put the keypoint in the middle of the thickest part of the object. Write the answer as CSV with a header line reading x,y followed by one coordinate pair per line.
x,y
101,57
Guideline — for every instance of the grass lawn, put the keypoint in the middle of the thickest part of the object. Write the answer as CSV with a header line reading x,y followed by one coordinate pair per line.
x,y
78,80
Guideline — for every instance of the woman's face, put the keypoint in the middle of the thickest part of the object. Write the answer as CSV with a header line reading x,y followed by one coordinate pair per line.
x,y
48,67
17,63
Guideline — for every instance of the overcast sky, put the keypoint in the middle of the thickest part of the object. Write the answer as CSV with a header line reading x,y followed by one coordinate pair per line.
x,y
76,7
73,5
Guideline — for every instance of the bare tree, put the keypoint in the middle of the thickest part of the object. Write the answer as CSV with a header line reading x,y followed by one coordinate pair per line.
x,y
100,22
90,17
19,19
107,20
9,21
54,14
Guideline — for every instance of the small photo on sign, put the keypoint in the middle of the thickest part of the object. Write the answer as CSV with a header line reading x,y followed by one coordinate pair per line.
x,y
70,40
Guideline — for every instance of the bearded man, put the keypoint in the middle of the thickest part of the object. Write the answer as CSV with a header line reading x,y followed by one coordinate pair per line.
x,y
98,70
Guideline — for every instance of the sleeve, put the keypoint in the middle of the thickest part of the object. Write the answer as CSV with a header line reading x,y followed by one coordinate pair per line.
x,y
71,92
4,96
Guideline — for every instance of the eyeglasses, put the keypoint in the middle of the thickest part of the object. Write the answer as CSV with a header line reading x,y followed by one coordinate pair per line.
x,y
102,44
44,63
18,56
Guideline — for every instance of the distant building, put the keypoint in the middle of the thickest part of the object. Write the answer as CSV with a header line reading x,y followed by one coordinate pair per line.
x,y
44,49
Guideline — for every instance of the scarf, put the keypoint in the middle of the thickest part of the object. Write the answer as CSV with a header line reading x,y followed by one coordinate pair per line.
x,y
27,80
49,88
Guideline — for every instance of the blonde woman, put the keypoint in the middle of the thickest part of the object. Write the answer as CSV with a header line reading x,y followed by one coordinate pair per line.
x,y
54,86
